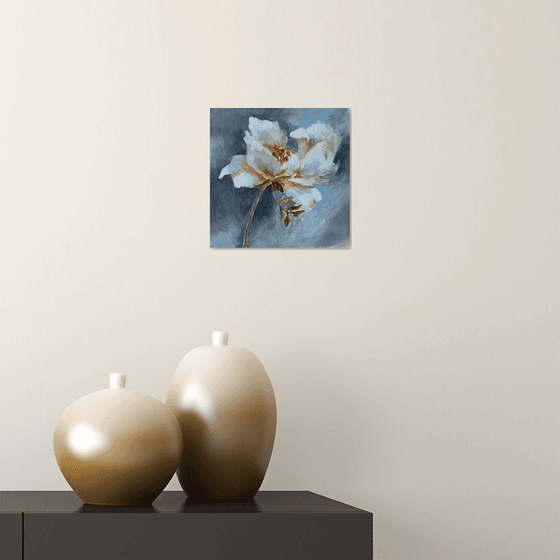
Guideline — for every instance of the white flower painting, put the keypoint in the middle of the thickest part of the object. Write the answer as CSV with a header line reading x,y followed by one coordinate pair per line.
x,y
289,185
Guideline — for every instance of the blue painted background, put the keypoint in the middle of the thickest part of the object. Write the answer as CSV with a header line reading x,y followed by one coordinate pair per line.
x,y
327,224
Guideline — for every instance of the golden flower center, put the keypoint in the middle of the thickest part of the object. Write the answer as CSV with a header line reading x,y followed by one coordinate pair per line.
x,y
281,154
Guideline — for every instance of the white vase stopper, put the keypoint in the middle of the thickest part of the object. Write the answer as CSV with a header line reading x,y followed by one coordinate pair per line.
x,y
219,338
117,380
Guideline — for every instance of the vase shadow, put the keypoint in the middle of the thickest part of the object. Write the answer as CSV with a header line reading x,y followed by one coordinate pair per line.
x,y
88,508
191,505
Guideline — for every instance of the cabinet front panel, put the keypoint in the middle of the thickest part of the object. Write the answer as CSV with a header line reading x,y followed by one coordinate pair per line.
x,y
156,536
10,536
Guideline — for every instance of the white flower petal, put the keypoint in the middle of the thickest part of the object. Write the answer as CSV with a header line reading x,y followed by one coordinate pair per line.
x,y
292,164
261,159
317,162
242,174
268,133
306,197
302,182
309,137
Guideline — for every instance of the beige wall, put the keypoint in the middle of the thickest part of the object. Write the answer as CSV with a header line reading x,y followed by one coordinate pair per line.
x,y
417,373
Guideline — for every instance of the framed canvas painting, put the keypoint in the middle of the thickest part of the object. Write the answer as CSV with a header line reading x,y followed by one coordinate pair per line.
x,y
279,178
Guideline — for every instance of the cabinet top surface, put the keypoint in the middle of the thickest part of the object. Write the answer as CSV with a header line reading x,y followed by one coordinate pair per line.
x,y
176,502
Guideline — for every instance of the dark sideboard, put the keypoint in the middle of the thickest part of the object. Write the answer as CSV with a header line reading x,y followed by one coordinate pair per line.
x,y
275,525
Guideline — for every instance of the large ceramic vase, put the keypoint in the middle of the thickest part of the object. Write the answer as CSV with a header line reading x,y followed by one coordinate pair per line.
x,y
225,404
118,447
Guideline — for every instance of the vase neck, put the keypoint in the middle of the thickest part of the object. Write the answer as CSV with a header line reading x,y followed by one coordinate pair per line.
x,y
220,338
117,381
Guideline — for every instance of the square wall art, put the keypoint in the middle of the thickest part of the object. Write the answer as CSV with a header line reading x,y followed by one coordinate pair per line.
x,y
280,178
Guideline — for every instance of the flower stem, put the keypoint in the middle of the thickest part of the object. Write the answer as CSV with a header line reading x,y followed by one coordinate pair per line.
x,y
261,190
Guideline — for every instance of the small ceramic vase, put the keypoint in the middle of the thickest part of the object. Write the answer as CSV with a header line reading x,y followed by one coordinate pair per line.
x,y
225,404
117,447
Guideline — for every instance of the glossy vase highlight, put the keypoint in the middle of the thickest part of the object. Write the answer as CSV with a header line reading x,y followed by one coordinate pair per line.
x,y
225,405
117,447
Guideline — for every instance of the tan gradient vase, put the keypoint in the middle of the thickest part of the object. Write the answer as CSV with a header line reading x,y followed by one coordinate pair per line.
x,y
225,404
118,447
